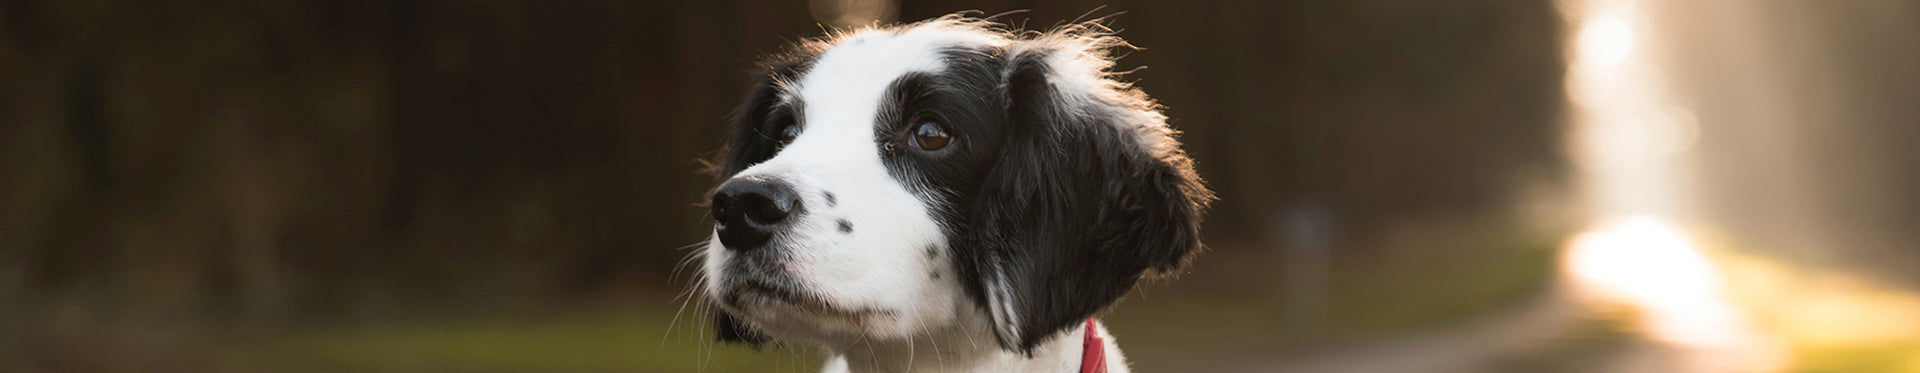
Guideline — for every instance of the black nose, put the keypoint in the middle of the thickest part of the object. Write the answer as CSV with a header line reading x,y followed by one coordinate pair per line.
x,y
749,210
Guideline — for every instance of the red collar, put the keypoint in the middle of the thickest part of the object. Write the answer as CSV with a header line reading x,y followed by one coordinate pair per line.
x,y
1093,350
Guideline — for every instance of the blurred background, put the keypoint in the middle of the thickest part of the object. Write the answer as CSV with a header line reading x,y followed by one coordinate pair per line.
x,y
1406,186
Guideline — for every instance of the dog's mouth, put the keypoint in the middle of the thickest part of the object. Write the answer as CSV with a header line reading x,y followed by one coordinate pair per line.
x,y
759,292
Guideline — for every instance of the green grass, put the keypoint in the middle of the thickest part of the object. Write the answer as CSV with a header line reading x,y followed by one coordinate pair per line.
x,y
627,340
1425,288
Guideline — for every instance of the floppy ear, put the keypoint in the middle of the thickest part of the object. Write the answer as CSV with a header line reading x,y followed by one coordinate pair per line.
x,y
1090,192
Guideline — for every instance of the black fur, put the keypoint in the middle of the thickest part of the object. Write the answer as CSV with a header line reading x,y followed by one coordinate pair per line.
x,y
729,329
1075,210
757,122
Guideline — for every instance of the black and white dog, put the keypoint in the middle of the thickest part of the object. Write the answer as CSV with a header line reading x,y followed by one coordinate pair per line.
x,y
949,195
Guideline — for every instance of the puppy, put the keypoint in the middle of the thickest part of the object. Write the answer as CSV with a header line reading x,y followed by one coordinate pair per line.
x,y
949,195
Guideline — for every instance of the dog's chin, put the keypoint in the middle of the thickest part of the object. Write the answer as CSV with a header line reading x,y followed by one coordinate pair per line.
x,y
792,313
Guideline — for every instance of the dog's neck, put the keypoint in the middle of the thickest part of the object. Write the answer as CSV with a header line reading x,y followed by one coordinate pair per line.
x,y
971,348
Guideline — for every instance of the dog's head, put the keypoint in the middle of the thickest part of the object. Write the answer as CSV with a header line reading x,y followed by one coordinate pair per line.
x,y
894,180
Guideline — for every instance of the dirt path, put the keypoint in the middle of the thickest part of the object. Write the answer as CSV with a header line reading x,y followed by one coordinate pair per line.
x,y
1498,341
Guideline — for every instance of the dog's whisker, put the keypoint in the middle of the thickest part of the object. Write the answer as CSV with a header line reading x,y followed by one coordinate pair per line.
x,y
910,352
932,339
690,258
697,275
676,318
873,359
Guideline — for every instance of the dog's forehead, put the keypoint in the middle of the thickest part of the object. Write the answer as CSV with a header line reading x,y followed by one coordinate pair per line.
x,y
853,75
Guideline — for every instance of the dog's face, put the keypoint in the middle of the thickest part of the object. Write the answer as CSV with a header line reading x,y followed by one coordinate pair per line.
x,y
893,181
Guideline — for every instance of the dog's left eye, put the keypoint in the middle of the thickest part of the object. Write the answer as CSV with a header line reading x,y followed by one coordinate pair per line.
x,y
929,135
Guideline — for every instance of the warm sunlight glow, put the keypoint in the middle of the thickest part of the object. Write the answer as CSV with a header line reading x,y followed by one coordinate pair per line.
x,y
1641,258
1630,144
1605,41
1820,309
1601,54
1628,139
1652,266
1647,262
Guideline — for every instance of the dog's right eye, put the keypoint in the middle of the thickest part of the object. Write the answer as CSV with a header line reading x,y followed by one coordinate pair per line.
x,y
788,133
786,128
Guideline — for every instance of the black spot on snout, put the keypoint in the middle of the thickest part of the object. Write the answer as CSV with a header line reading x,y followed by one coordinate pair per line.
x,y
933,251
831,201
846,226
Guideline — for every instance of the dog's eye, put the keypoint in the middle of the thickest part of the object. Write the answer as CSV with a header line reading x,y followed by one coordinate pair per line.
x,y
785,128
788,133
929,135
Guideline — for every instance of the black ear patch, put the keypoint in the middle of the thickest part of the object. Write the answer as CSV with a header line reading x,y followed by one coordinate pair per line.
x,y
1088,194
